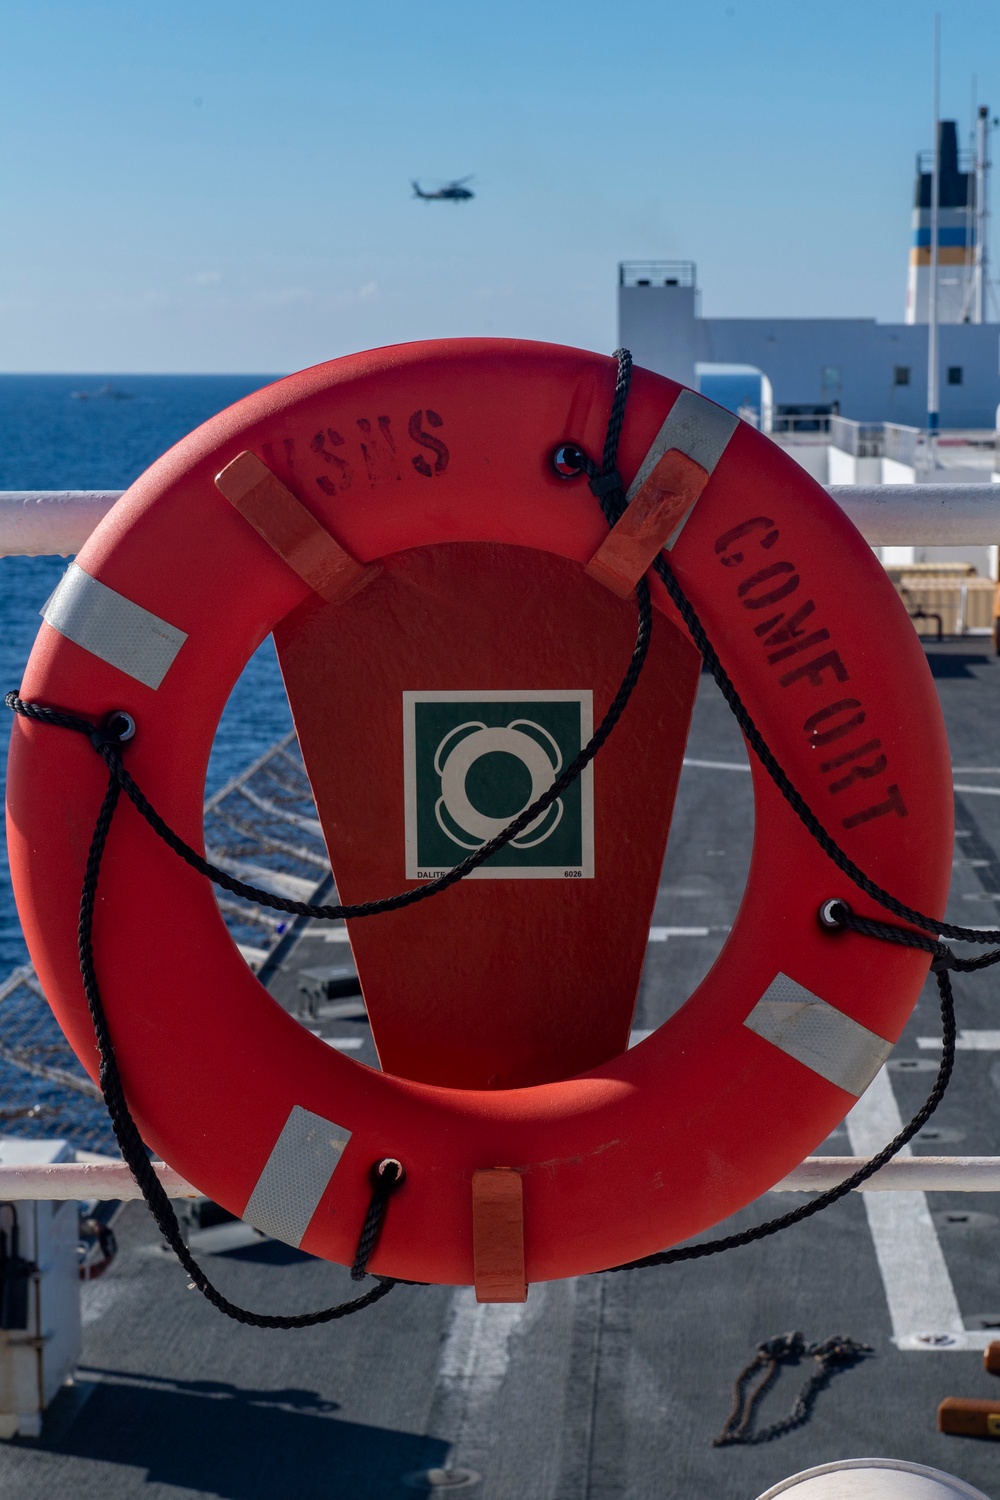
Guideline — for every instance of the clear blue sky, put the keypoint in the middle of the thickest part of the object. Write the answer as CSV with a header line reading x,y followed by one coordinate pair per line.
x,y
220,186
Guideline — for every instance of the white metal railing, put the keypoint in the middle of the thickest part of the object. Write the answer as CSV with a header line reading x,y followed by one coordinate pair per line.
x,y
861,439
802,426
923,515
901,443
59,522
112,1180
35,522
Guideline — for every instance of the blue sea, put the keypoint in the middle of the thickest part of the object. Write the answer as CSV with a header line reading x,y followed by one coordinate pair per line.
x,y
51,440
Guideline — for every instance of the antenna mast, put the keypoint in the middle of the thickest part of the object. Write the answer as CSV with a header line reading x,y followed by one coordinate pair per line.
x,y
980,275
933,399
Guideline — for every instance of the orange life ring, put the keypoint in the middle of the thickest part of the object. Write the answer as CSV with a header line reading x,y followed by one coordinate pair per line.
x,y
162,610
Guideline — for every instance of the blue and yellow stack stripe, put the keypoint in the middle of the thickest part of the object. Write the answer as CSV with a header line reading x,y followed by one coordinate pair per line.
x,y
955,245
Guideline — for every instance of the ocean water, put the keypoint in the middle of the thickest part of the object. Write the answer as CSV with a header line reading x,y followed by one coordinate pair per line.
x,y
49,440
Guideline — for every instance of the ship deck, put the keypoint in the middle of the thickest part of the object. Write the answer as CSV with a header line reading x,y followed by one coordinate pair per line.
x,y
604,1387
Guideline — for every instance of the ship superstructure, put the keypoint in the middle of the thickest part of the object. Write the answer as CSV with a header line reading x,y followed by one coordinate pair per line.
x,y
858,368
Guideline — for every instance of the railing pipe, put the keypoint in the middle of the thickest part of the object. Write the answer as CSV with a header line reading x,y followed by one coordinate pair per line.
x,y
84,1180
112,1180
34,522
904,1174
923,515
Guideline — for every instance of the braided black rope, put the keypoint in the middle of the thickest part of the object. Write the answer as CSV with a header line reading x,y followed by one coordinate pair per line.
x,y
386,1176
831,1355
104,739
130,1141
832,1195
386,903
785,786
606,484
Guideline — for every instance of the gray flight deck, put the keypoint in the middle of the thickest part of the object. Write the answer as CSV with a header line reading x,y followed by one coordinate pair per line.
x,y
607,1387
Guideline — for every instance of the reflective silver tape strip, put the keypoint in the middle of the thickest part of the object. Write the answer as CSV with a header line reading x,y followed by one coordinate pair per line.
x,y
818,1035
296,1175
696,427
111,627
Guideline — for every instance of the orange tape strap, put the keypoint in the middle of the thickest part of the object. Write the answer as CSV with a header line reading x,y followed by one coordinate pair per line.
x,y
498,1235
294,533
652,518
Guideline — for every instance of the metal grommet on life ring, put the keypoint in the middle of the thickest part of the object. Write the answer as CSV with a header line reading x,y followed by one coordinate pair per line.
x,y
394,519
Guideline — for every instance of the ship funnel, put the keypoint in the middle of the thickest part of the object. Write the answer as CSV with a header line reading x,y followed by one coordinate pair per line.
x,y
955,236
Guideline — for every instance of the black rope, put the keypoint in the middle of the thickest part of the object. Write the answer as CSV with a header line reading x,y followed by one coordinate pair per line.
x,y
785,786
387,1176
606,485
109,750
130,1142
833,1354
832,1195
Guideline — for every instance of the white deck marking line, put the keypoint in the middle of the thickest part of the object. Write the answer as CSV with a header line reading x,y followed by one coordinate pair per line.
x,y
918,1289
983,791
975,770
966,1041
474,1363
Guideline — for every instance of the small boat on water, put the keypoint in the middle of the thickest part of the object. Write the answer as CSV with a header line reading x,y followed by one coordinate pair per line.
x,y
106,392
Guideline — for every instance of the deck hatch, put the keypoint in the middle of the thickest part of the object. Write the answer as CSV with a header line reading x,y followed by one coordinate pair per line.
x,y
818,1035
113,628
296,1175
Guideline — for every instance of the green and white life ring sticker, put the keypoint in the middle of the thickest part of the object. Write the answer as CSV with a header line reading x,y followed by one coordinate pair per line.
x,y
474,760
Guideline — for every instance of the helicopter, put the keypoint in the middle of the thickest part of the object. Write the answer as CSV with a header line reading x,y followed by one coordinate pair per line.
x,y
452,192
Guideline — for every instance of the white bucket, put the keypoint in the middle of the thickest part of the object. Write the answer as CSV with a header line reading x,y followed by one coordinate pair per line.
x,y
873,1479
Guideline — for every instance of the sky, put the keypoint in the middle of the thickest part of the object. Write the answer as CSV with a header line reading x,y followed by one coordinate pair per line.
x,y
220,186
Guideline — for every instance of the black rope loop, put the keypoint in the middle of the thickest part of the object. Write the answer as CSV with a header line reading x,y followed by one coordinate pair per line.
x,y
832,1195
570,459
108,744
839,915
130,1142
386,1178
786,787
606,484
388,1175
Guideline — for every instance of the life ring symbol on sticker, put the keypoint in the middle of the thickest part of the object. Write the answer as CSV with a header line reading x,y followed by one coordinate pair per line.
x,y
502,1008
516,744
